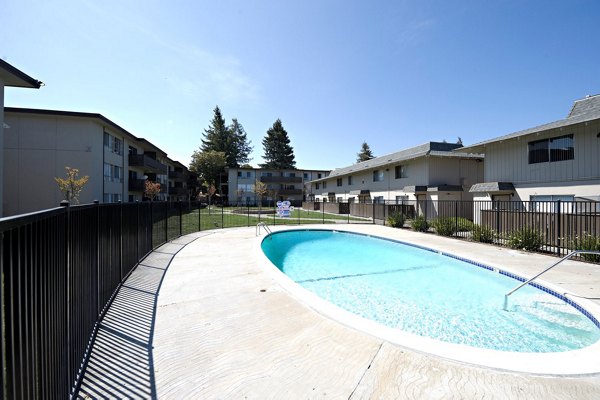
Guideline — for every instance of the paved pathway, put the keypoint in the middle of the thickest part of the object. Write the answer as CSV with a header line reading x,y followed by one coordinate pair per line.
x,y
221,327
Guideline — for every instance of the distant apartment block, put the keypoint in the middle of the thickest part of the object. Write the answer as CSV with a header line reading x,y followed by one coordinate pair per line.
x,y
39,144
555,161
288,184
431,171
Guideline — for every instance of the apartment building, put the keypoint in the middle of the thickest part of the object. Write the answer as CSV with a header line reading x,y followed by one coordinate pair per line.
x,y
39,144
431,171
288,184
10,77
559,160
179,181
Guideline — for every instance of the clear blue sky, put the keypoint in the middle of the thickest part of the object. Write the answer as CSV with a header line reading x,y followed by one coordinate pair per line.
x,y
393,73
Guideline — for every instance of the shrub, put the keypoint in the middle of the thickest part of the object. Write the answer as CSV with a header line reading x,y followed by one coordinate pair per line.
x,y
396,220
420,224
525,239
444,226
587,242
482,234
463,224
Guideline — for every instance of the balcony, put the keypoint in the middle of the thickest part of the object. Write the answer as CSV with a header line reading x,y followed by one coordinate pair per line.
x,y
136,185
281,179
290,192
178,191
176,175
148,163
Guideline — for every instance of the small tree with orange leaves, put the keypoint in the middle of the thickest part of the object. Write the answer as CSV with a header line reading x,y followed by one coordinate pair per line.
x,y
151,189
71,186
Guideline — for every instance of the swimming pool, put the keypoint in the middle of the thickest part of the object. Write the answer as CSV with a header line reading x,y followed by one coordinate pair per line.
x,y
427,294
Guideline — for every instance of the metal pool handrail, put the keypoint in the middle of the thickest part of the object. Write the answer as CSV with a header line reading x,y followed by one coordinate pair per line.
x,y
571,254
265,226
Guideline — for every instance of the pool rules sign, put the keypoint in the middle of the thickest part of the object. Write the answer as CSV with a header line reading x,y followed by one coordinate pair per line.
x,y
284,208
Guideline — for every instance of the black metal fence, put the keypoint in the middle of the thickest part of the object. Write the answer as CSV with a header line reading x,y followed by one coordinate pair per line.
x,y
549,226
61,268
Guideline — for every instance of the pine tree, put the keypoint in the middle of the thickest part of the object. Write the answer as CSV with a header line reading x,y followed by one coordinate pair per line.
x,y
215,137
365,153
278,152
231,140
240,147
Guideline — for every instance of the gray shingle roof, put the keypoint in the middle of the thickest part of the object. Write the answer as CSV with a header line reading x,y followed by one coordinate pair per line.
x,y
491,187
583,110
436,149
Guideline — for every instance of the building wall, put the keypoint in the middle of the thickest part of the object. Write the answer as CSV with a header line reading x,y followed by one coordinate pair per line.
x,y
37,149
423,171
241,188
507,161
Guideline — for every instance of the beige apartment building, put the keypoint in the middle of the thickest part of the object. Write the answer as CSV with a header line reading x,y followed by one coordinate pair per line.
x,y
555,161
431,171
287,184
39,144
10,77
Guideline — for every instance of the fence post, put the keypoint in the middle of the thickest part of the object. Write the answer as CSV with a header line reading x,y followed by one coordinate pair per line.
x,y
456,215
66,204
120,240
323,212
97,203
557,215
222,214
199,217
137,230
151,225
180,219
166,221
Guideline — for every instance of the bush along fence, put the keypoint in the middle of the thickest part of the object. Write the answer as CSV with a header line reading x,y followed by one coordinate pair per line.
x,y
62,267
556,227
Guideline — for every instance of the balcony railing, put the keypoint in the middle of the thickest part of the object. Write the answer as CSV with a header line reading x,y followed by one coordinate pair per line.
x,y
281,179
148,163
178,175
136,185
178,191
290,192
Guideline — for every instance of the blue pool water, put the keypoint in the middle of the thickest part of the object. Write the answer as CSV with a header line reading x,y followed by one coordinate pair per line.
x,y
426,293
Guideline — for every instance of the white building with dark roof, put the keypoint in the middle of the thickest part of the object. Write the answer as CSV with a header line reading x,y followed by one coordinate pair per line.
x,y
431,171
555,161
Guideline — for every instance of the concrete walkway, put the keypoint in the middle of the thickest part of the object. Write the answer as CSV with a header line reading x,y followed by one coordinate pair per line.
x,y
200,318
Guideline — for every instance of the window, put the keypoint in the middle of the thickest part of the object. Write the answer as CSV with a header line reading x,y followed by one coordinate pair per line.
x,y
339,181
317,186
113,173
378,176
350,180
401,199
555,149
248,174
114,144
400,171
340,199
292,175
112,197
324,185
239,174
351,199
306,175
546,203
378,200
319,176
266,174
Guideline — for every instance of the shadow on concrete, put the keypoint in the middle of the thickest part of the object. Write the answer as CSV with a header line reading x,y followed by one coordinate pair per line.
x,y
121,364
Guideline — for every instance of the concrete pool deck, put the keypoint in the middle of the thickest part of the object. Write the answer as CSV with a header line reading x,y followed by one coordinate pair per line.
x,y
201,317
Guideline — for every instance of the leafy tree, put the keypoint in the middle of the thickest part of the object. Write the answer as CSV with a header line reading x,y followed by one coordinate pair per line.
x,y
151,189
231,140
365,153
278,152
261,190
208,165
71,186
